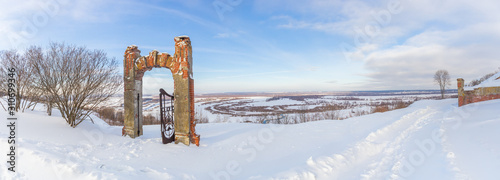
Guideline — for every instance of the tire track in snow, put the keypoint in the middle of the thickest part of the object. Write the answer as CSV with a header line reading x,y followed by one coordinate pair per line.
x,y
375,152
389,165
450,155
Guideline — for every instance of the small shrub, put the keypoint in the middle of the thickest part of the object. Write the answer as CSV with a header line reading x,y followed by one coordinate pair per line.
x,y
383,108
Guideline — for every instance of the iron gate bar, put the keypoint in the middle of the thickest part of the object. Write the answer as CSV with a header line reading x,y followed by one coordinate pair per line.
x,y
167,118
138,109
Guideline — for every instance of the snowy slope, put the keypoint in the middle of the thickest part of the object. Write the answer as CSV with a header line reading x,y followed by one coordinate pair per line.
x,y
493,81
428,140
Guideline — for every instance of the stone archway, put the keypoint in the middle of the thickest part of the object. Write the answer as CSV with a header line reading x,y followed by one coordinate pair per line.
x,y
181,67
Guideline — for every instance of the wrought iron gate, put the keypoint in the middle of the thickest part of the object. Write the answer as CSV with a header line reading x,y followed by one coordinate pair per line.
x,y
167,117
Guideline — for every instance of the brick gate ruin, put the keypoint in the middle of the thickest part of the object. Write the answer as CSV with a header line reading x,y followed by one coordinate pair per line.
x,y
181,66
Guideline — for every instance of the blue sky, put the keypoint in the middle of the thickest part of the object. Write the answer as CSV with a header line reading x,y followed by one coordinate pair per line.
x,y
277,46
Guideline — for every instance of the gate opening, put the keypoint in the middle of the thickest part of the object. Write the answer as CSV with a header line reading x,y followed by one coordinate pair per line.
x,y
180,65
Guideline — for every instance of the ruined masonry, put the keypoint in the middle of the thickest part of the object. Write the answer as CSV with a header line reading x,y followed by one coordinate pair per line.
x,y
180,65
477,94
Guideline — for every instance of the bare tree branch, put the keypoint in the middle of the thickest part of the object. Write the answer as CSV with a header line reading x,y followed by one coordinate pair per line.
x,y
442,78
26,96
76,80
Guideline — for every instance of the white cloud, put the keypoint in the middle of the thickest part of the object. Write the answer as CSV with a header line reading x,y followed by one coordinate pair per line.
x,y
414,16
324,7
152,82
410,67
229,34
469,52
23,21
411,45
17,22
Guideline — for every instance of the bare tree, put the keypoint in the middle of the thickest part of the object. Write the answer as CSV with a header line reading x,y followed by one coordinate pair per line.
x,y
200,117
330,111
442,78
76,79
302,114
26,96
35,54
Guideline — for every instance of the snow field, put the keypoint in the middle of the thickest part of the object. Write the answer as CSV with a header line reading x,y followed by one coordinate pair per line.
x,y
428,140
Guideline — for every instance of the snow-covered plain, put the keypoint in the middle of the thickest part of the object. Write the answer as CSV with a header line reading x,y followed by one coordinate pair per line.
x,y
235,109
431,139
253,109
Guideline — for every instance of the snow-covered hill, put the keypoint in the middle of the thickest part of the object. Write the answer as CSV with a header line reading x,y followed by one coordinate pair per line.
x,y
493,81
428,140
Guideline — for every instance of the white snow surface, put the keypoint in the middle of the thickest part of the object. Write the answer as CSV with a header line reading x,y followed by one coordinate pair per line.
x,y
428,140
283,101
493,81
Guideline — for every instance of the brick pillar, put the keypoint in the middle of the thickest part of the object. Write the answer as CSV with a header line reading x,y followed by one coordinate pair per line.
x,y
131,127
193,137
183,92
461,92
